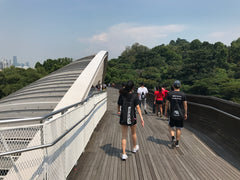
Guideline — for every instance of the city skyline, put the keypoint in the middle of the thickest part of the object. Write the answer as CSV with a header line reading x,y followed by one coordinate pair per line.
x,y
35,30
6,62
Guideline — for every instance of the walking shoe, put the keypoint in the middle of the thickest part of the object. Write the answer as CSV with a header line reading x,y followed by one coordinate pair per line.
x,y
177,144
135,149
173,142
124,157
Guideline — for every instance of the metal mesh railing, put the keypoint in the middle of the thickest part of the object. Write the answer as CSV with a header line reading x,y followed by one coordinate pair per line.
x,y
48,147
18,138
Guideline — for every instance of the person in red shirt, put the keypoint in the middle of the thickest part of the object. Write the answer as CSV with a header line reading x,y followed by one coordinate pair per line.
x,y
165,92
158,100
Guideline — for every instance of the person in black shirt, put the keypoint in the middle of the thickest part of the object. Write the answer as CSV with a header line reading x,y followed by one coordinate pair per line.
x,y
129,102
120,97
178,111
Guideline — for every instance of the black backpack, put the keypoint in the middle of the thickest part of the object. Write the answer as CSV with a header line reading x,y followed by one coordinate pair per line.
x,y
127,111
177,113
143,95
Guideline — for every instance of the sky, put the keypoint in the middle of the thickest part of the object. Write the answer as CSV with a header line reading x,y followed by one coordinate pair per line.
x,y
37,30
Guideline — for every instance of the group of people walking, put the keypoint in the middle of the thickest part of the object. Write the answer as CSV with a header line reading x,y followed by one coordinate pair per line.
x,y
129,102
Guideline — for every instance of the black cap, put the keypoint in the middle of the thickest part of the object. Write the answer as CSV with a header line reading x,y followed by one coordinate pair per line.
x,y
177,84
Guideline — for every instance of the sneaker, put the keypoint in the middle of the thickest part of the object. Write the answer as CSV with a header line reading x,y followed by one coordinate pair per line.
x,y
124,157
135,149
177,144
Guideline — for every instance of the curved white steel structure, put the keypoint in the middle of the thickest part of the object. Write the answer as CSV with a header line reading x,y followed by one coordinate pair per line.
x,y
48,146
56,89
89,77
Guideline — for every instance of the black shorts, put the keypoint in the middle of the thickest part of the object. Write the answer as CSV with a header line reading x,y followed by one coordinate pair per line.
x,y
159,102
176,123
125,122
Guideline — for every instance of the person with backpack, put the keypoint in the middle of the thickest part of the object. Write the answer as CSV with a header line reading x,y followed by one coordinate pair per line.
x,y
158,100
129,103
142,93
119,107
178,111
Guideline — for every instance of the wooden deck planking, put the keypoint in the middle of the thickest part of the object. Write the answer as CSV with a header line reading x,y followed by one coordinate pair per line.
x,y
155,158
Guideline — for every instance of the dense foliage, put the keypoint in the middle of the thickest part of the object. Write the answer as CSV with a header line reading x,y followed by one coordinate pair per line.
x,y
13,78
202,67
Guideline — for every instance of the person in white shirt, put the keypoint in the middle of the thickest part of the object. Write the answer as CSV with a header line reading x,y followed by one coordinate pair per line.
x,y
142,93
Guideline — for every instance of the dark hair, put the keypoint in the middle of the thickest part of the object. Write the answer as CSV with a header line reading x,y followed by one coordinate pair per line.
x,y
123,86
160,88
129,87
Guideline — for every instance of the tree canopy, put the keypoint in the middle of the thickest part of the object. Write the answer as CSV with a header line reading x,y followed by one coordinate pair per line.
x,y
14,78
202,67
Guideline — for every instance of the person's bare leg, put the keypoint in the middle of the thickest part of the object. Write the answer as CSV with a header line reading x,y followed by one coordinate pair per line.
x,y
161,110
124,138
157,109
134,135
178,133
171,131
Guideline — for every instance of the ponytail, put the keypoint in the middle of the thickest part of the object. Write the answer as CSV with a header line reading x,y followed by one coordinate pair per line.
x,y
128,88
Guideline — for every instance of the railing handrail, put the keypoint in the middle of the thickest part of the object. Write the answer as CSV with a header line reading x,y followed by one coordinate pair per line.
x,y
216,109
64,134
208,106
47,115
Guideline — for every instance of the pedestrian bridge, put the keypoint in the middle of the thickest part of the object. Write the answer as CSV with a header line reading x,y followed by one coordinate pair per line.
x,y
80,137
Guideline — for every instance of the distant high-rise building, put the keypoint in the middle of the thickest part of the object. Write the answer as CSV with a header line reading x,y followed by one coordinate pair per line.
x,y
1,65
5,63
15,63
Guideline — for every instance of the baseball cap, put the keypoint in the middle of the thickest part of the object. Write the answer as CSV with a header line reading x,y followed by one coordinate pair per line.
x,y
177,84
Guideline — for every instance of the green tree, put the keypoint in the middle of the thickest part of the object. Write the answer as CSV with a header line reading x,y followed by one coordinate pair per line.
x,y
230,90
202,67
234,56
13,78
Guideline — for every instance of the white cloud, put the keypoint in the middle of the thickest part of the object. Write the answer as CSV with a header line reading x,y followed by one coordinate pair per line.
x,y
100,37
117,37
225,37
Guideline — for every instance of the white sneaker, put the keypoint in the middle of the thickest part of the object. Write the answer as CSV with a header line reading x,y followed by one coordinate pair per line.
x,y
177,144
135,149
124,156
